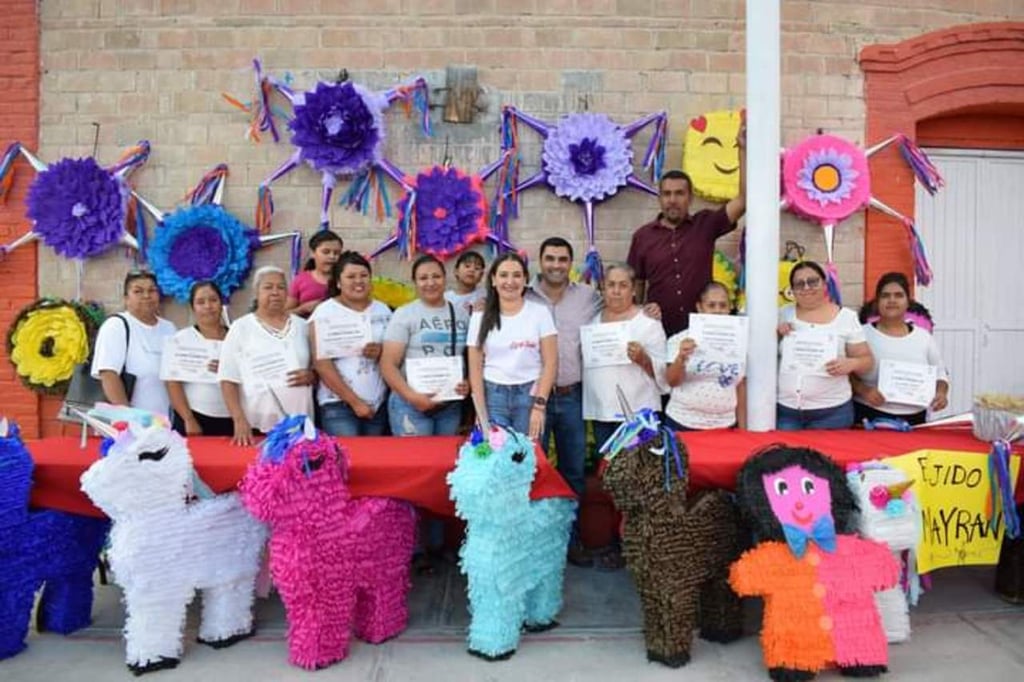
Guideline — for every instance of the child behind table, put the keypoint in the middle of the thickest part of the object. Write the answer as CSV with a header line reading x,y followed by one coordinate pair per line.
x,y
707,393
469,270
309,287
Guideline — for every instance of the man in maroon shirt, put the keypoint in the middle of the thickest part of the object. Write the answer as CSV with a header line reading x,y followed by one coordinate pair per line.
x,y
672,255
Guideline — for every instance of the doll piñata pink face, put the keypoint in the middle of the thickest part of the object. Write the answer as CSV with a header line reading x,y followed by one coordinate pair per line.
x,y
798,497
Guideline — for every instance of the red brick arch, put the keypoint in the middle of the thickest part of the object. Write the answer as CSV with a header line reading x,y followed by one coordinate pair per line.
x,y
946,87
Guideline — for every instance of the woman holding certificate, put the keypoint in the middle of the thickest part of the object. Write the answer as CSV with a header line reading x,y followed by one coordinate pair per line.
x,y
821,345
346,334
708,379
264,369
422,357
190,364
909,378
623,351
513,351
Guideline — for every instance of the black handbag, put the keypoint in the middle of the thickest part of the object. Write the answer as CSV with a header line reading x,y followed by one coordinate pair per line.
x,y
85,391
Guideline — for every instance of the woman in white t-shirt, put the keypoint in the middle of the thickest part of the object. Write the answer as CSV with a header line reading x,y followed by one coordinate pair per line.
x,y
707,392
513,351
893,337
817,396
643,380
352,392
133,342
264,371
198,406
426,329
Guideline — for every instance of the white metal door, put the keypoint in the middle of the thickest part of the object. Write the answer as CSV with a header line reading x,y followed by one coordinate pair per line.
x,y
973,230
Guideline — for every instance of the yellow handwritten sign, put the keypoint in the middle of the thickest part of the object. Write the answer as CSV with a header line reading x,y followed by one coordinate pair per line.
x,y
954,492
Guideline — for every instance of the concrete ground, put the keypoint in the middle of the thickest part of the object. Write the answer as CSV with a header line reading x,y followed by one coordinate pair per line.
x,y
962,633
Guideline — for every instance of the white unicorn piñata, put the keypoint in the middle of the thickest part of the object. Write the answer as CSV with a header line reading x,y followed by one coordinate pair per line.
x,y
165,544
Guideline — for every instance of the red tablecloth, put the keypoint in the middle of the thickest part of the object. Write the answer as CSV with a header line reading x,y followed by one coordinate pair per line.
x,y
412,469
716,456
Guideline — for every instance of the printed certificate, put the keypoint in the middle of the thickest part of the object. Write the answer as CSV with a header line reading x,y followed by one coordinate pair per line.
x,y
439,376
907,383
807,351
342,337
189,360
605,344
723,336
271,367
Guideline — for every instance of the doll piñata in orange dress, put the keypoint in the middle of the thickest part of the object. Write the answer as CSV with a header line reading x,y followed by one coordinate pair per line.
x,y
816,576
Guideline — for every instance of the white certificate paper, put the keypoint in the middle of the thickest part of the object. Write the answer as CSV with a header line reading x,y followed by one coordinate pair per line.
x,y
907,383
189,360
271,367
605,344
439,376
722,336
807,351
342,337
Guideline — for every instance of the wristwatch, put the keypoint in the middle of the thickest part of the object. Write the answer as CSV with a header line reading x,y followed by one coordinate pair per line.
x,y
540,401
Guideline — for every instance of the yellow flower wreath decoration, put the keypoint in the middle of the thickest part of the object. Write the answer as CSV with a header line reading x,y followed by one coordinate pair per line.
x,y
48,339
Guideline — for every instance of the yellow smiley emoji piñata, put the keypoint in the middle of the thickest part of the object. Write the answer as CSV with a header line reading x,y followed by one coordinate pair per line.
x,y
710,155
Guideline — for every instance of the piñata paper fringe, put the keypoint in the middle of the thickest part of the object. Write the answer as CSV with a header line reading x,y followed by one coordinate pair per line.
x,y
264,209
832,282
923,168
1001,492
206,189
922,268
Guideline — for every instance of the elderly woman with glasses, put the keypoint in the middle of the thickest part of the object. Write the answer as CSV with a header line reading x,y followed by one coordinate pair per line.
x,y
821,345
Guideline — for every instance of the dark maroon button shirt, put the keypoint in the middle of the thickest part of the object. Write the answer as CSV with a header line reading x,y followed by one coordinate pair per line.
x,y
676,263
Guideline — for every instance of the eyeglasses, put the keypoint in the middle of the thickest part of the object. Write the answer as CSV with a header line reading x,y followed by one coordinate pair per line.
x,y
809,283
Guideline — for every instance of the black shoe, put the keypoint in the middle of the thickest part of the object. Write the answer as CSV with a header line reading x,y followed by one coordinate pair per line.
x,y
863,670
790,675
578,555
489,658
534,628
227,641
673,661
161,664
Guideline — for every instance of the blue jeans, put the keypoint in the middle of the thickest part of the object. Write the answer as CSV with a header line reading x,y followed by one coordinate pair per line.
x,y
338,419
509,405
406,420
838,417
565,419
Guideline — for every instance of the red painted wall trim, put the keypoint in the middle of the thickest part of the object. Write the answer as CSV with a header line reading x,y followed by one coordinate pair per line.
x,y
943,88
19,121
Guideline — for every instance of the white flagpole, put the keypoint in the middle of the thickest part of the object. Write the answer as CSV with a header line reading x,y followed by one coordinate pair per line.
x,y
762,238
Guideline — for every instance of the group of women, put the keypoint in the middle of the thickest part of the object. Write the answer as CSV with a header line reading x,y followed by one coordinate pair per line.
x,y
502,353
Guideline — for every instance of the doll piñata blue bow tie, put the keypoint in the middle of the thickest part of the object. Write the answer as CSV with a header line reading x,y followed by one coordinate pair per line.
x,y
823,533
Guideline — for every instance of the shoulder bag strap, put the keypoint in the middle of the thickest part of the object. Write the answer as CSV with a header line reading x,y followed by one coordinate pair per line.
x,y
451,313
127,339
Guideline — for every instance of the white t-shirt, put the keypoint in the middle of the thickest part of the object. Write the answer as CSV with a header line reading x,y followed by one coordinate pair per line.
x,y
263,405
918,347
465,301
204,398
512,353
600,397
144,348
707,397
812,391
361,374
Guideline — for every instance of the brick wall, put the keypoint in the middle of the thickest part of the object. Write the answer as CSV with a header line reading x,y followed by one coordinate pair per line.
x,y
19,121
155,69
